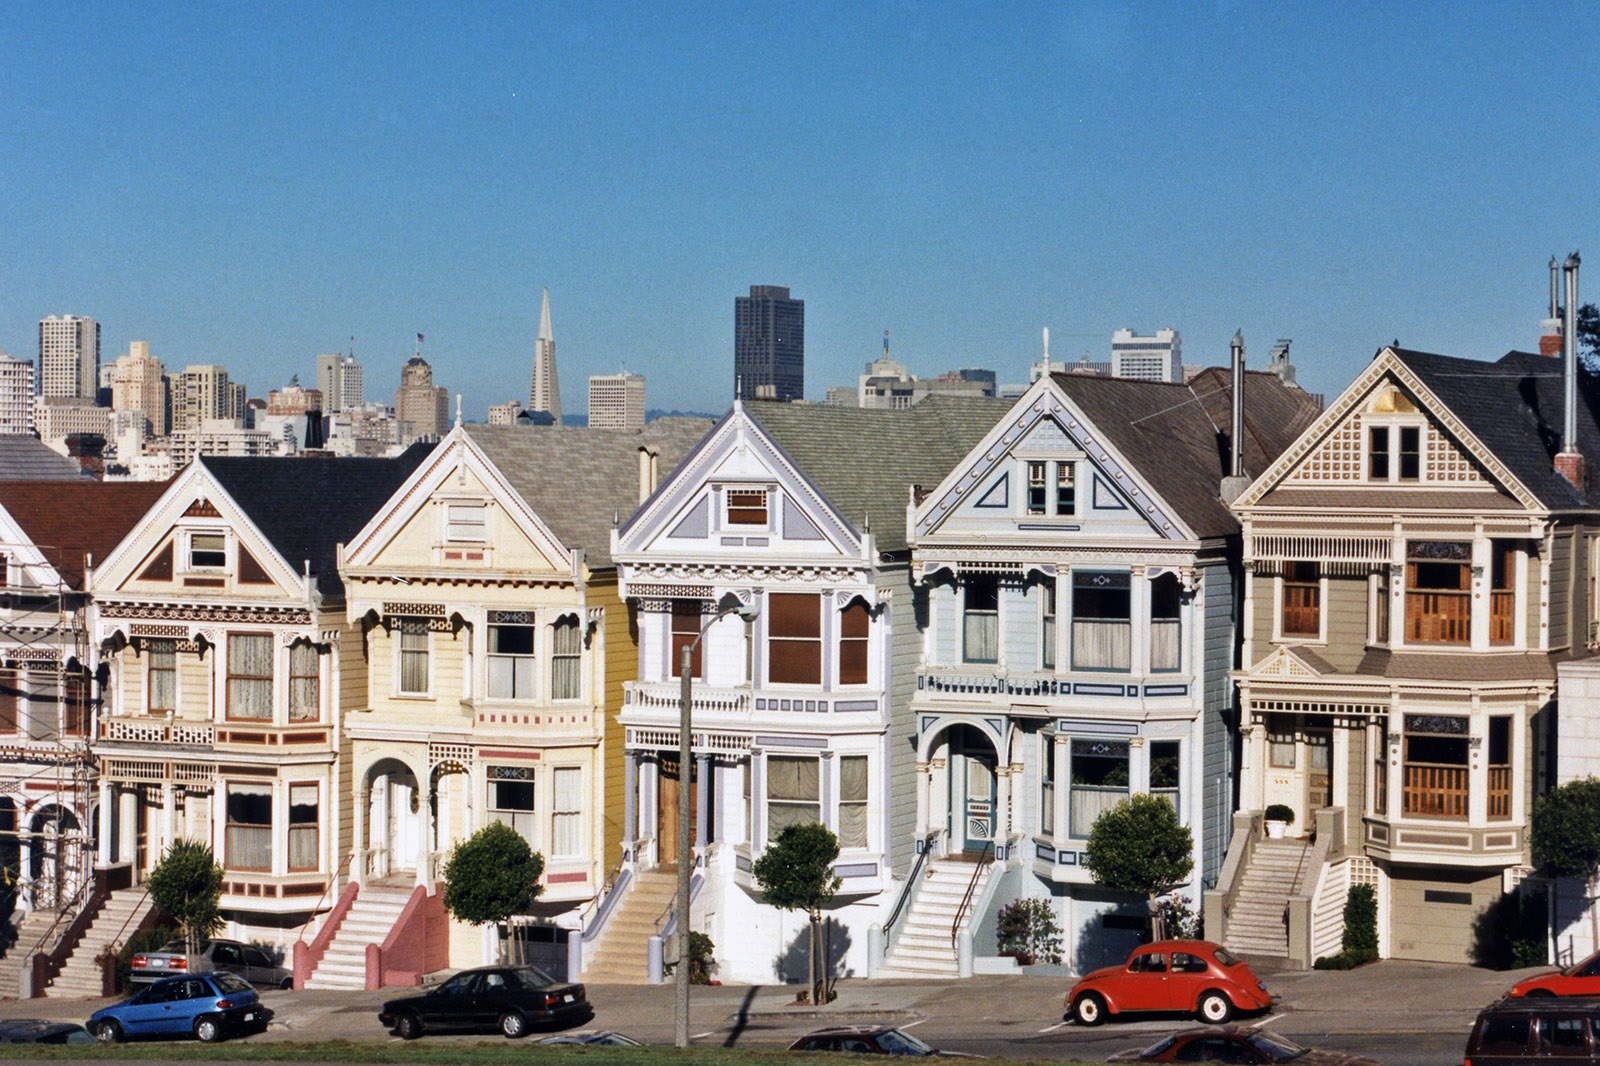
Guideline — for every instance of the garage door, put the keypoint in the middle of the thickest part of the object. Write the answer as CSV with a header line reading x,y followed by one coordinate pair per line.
x,y
1432,912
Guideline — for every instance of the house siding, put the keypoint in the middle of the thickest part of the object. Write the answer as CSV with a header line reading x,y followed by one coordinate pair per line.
x,y
1559,592
1217,606
905,646
620,634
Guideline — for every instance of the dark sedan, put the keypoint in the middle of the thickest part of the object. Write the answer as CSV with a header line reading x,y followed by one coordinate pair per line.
x,y
1234,1044
869,1040
512,999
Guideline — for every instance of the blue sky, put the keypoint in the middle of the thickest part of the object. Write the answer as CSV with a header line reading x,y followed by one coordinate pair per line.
x,y
253,184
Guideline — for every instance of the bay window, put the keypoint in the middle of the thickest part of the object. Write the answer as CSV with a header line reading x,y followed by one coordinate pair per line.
x,y
853,801
855,624
1166,629
794,644
511,665
1099,781
1434,771
413,657
510,799
793,792
303,820
1102,627
686,622
250,676
566,659
305,683
566,819
1438,592
980,620
1301,615
249,826
161,675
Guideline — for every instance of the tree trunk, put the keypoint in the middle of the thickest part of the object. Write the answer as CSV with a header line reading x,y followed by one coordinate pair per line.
x,y
1158,928
816,967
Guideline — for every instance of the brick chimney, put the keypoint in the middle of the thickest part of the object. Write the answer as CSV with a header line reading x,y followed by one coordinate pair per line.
x,y
88,450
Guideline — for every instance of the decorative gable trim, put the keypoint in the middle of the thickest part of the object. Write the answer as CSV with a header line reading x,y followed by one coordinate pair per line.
x,y
999,494
1284,663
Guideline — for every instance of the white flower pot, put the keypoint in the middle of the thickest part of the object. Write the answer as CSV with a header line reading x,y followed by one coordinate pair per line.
x,y
1275,830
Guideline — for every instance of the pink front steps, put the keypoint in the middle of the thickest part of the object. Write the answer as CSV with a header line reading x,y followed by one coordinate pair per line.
x,y
376,935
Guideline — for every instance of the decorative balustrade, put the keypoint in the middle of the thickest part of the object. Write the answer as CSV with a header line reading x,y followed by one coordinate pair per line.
x,y
1499,793
157,731
1438,617
992,683
703,699
1435,790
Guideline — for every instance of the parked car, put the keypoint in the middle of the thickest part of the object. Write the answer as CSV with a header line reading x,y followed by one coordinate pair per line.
x,y
1232,1044
209,1005
512,999
868,1040
1579,979
1530,1029
597,1037
246,960
39,1031
1190,976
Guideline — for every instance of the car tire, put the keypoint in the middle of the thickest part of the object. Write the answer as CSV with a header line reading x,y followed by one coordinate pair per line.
x,y
108,1032
513,1025
1089,1009
407,1027
1214,1008
208,1028
1540,993
287,984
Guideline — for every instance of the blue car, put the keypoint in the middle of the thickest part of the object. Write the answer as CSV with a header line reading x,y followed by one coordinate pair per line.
x,y
209,1005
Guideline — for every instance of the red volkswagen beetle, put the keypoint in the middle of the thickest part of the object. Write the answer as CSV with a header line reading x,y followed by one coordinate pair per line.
x,y
1580,979
1193,976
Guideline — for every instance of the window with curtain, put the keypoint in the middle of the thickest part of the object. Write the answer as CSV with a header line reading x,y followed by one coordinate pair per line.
x,y
566,820
1099,781
687,617
1166,629
249,832
1280,740
793,796
980,620
566,658
1047,785
250,676
208,551
10,700
1164,779
1102,626
305,682
510,799
852,801
511,662
854,626
414,656
794,638
161,676
303,827
1047,627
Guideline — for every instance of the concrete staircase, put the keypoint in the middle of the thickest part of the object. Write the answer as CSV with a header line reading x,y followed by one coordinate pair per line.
x,y
28,933
1276,872
622,954
80,977
368,921
924,948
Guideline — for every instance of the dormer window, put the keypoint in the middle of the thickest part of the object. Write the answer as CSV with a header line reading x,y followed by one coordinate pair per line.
x,y
208,551
747,507
1051,488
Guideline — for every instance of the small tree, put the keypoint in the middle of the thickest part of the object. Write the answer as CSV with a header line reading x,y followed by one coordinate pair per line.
x,y
1140,846
490,876
796,874
1565,838
187,885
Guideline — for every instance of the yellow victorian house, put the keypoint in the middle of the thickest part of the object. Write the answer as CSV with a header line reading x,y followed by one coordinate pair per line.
x,y
496,648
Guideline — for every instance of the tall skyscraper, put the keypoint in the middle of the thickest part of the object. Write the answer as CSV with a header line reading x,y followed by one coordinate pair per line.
x,y
16,395
339,379
69,356
201,393
1157,357
616,401
769,344
140,384
545,395
421,408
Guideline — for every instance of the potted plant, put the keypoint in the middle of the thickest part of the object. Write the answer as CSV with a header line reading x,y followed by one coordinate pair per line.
x,y
1277,817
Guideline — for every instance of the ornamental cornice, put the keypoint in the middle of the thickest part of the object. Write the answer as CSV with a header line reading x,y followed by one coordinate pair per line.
x,y
644,577
178,612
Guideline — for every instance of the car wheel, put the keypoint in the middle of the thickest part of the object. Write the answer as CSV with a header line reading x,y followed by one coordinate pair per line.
x,y
208,1029
287,984
408,1027
1089,1009
108,1032
513,1025
1540,993
1214,1008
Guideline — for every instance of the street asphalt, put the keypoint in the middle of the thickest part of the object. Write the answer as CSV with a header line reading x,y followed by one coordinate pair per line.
x,y
1419,1012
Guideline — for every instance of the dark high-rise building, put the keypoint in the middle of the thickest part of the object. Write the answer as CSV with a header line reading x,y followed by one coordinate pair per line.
x,y
769,344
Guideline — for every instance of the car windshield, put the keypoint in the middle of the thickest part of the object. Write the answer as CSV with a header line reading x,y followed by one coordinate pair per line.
x,y
896,1042
173,947
1275,1047
533,977
1159,1046
229,983
1225,957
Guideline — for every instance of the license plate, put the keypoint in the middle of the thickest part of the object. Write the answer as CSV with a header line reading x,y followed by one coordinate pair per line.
x,y
567,998
250,1016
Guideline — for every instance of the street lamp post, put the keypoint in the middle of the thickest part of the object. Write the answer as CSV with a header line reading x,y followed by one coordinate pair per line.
x,y
728,604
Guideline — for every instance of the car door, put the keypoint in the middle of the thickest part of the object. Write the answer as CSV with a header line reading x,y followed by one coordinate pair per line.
x,y
498,992
1145,985
1186,980
454,1005
1585,981
258,969
140,1013
227,957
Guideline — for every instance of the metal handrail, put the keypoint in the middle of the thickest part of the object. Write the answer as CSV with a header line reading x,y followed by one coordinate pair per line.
x,y
589,911
911,880
985,857
74,906
332,877
117,941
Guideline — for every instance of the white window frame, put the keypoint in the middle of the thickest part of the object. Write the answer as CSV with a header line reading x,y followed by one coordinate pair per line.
x,y
457,531
400,691
767,494
578,827
1278,635
177,676
1394,423
189,566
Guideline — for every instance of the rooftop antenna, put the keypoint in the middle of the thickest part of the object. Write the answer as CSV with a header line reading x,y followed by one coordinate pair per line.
x,y
886,344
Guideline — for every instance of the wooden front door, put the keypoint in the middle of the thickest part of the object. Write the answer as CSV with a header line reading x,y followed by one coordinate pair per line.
x,y
667,809
1319,772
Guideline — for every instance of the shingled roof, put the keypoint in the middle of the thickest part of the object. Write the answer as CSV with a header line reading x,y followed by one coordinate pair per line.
x,y
69,520
865,460
24,458
580,481
308,505
1515,406
1177,435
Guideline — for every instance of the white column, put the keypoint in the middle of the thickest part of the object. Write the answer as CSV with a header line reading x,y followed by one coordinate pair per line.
x,y
1002,814
358,831
922,800
107,813
169,818
1061,752
1341,769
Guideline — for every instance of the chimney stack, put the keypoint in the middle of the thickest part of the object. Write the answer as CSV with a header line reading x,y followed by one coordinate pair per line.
x,y
1550,335
1235,483
1570,462
88,450
649,471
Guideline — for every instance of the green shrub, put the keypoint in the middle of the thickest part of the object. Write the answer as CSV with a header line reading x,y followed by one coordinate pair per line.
x,y
1027,929
701,958
1279,812
1361,922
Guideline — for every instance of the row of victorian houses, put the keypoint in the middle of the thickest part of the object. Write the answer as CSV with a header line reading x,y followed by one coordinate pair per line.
x,y
966,629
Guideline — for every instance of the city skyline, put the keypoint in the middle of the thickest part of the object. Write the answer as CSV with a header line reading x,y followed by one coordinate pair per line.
x,y
963,178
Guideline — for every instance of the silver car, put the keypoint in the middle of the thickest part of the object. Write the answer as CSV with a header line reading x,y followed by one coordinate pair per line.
x,y
246,960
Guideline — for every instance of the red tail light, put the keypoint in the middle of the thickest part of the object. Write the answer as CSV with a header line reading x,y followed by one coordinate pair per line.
x,y
224,1004
140,962
179,964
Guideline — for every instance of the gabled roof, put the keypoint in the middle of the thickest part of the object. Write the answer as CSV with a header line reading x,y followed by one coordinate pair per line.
x,y
67,521
865,460
1515,408
307,505
1177,435
581,481
24,458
